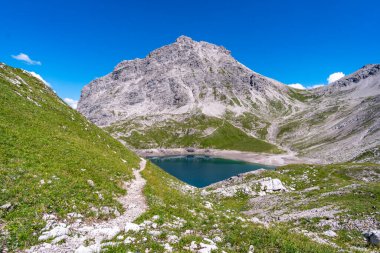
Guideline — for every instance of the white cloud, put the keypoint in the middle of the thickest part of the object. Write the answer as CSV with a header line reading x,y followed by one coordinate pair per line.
x,y
39,77
25,58
297,86
315,86
71,102
335,77
332,78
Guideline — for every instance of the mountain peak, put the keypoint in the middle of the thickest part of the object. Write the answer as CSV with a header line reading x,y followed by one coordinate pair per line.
x,y
363,73
371,68
184,77
184,39
371,65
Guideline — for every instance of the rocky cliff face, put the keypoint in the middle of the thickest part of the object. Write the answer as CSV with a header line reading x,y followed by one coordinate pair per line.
x,y
342,122
184,77
188,78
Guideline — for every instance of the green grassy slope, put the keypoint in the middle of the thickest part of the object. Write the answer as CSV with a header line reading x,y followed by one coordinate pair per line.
x,y
48,152
197,131
353,189
182,213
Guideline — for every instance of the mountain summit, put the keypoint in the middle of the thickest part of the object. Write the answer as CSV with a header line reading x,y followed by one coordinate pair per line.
x,y
196,94
183,77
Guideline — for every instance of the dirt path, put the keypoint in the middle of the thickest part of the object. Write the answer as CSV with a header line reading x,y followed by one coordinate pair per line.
x,y
79,234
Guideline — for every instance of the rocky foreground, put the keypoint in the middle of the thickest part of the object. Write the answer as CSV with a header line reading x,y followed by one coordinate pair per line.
x,y
334,204
76,235
335,207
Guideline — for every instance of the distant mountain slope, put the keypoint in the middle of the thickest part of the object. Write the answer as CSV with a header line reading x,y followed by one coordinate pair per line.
x,y
196,130
52,160
142,99
342,123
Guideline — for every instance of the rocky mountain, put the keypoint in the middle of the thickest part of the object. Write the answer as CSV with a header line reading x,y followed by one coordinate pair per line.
x,y
184,77
341,123
192,93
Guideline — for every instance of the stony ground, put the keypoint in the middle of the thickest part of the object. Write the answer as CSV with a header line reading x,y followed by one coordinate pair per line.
x,y
297,208
333,204
263,158
75,235
182,219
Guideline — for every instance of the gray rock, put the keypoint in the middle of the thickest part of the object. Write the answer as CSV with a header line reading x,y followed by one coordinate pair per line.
x,y
6,206
190,150
330,233
346,111
91,183
270,185
373,237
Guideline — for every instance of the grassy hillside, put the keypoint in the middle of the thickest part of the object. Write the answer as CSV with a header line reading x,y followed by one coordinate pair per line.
x,y
48,154
344,198
178,211
198,131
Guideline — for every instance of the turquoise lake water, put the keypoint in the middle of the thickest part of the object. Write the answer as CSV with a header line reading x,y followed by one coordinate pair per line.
x,y
201,170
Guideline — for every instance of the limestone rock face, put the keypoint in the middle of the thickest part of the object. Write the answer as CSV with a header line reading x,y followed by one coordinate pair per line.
x,y
373,237
183,77
368,71
272,185
342,122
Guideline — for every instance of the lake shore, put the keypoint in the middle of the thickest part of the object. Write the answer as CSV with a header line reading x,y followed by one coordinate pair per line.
x,y
262,158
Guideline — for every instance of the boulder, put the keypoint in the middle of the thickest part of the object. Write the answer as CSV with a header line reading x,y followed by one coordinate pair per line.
x,y
270,185
168,248
6,206
190,150
91,183
207,248
106,232
88,249
131,227
373,237
208,205
57,231
330,233
83,249
172,239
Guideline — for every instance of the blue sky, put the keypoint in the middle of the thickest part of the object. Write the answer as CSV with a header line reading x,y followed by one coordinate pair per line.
x,y
291,41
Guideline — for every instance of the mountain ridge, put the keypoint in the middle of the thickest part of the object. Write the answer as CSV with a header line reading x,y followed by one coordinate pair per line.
x,y
188,78
176,59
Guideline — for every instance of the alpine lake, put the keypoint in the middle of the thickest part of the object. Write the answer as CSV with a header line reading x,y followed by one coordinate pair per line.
x,y
203,170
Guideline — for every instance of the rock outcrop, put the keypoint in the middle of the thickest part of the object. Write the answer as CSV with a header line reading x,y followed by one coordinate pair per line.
x,y
341,123
184,77
373,237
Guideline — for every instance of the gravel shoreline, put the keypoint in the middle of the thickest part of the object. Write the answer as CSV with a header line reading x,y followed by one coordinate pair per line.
x,y
262,158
